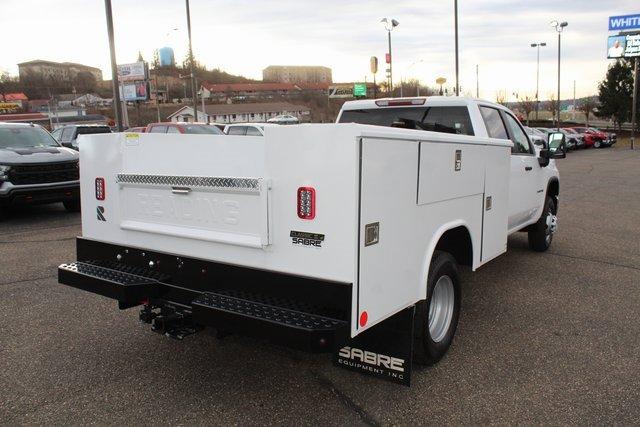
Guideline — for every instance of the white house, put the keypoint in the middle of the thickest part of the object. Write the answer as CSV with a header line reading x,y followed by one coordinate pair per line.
x,y
241,113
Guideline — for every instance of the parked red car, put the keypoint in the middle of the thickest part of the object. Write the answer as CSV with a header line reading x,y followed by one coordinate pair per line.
x,y
181,127
138,129
595,138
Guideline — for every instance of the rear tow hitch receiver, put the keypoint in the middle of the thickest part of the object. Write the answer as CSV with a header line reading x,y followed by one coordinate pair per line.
x,y
169,320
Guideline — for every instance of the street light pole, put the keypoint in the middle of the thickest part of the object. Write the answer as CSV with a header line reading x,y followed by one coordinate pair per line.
x,y
194,95
455,6
389,25
559,27
114,66
538,45
390,66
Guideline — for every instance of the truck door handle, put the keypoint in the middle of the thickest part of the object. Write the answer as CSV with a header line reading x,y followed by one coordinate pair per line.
x,y
528,168
180,190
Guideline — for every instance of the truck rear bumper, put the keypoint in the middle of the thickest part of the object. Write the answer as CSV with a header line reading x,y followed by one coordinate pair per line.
x,y
298,312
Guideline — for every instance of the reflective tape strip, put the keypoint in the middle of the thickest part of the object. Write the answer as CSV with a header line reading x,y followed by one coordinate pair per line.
x,y
213,182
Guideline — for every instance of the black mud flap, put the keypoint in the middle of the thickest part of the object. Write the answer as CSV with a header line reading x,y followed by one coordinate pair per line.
x,y
384,351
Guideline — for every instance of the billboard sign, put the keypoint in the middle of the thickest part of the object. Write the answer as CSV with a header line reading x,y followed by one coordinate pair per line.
x,y
624,22
134,91
343,91
373,62
623,46
359,89
132,72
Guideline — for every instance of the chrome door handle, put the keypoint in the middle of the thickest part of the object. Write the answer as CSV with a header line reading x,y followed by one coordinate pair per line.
x,y
180,190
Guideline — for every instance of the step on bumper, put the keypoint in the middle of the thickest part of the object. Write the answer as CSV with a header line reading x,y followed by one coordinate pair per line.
x,y
278,320
112,280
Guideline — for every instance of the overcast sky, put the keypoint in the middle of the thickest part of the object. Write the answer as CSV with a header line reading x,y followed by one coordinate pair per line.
x,y
244,36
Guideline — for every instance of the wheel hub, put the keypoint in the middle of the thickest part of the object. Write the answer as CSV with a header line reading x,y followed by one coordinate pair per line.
x,y
441,308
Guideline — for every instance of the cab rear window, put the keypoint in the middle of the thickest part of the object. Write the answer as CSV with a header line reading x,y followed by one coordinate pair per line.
x,y
437,119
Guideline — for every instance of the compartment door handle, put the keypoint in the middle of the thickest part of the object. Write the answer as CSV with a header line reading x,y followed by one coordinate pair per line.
x,y
180,190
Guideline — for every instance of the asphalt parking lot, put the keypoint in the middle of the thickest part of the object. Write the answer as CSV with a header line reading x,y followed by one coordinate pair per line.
x,y
549,338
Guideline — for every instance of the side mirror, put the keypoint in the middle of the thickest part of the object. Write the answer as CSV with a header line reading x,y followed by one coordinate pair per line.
x,y
557,146
67,144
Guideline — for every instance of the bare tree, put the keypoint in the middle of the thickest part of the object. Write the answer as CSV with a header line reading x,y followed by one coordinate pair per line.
x,y
8,84
587,106
552,105
527,105
501,97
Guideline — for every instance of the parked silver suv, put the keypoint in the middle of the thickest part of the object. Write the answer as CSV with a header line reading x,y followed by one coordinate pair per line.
x,y
36,169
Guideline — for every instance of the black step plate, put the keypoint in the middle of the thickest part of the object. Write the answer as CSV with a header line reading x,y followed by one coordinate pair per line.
x,y
113,280
280,321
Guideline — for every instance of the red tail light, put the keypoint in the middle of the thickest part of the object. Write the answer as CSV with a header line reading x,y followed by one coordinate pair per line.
x,y
100,189
306,203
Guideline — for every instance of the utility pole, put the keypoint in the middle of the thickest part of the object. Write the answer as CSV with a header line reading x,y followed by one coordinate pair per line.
x,y
574,100
114,66
634,110
157,98
455,5
194,95
558,116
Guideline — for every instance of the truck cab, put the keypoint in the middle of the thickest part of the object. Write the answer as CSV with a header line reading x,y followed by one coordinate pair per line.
x,y
531,177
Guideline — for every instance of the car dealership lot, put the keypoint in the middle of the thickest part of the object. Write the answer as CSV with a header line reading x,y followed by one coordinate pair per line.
x,y
543,338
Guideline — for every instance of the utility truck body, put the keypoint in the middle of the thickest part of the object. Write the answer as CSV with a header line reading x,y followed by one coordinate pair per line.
x,y
320,237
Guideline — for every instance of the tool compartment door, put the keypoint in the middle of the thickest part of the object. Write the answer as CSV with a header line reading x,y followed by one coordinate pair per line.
x,y
210,208
389,173
495,210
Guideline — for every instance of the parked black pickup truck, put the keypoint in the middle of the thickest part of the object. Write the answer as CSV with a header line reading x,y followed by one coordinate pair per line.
x,y
35,168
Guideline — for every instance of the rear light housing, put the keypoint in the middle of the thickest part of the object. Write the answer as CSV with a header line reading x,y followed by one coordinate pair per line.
x,y
100,189
306,203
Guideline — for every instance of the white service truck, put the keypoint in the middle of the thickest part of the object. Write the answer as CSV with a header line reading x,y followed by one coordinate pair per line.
x,y
342,238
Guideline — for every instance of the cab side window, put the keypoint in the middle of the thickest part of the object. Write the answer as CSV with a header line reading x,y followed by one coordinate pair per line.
x,y
237,130
519,138
67,134
158,129
494,123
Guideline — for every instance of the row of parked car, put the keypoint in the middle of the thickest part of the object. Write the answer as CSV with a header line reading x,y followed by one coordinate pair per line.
x,y
575,137
68,135
41,167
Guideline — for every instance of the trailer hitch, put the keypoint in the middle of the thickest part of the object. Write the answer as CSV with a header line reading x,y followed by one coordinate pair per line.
x,y
169,320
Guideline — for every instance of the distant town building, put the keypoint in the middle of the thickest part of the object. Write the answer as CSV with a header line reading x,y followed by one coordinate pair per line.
x,y
67,100
60,71
166,57
297,74
247,91
241,113
13,102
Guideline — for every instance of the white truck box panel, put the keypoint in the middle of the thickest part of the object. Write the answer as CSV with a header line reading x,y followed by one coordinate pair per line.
x,y
439,177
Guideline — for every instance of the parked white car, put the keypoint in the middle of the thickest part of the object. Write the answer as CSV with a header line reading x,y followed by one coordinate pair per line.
x,y
245,129
284,119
